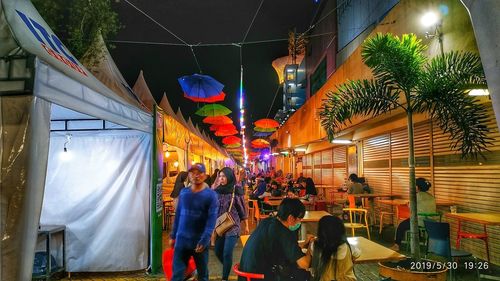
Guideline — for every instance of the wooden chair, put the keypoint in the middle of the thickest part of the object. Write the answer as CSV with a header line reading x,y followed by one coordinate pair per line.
x,y
382,215
353,221
249,276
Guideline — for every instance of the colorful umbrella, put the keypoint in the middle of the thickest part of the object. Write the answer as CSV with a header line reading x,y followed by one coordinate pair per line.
x,y
262,134
233,145
213,110
266,123
265,130
225,133
217,98
217,120
222,127
260,141
199,86
231,140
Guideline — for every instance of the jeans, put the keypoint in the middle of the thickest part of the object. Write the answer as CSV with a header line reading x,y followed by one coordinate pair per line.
x,y
181,258
403,227
224,247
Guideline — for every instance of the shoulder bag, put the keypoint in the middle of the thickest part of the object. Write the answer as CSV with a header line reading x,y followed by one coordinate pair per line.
x,y
225,221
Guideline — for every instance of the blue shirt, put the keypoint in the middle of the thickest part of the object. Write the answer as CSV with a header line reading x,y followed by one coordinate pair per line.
x,y
195,217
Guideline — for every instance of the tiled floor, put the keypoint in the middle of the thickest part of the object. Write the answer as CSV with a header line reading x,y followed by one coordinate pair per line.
x,y
364,272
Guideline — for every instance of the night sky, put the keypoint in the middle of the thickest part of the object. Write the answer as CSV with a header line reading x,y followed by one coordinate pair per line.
x,y
209,22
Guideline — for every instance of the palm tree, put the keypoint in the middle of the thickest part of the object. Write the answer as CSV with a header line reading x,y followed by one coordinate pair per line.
x,y
405,79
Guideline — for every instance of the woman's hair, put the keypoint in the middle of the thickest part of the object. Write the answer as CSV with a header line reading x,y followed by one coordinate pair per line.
x,y
331,234
291,206
423,184
354,178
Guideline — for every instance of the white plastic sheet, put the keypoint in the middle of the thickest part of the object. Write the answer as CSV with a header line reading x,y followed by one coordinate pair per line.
x,y
99,189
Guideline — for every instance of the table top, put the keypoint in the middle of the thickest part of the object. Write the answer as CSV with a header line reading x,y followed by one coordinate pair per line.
x,y
273,202
373,195
314,216
396,202
51,228
373,252
484,218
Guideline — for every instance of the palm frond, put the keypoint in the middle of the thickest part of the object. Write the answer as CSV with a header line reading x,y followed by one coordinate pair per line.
x,y
442,91
354,98
393,60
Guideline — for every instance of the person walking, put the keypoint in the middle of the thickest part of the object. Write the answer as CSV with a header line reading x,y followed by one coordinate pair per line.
x,y
231,199
193,225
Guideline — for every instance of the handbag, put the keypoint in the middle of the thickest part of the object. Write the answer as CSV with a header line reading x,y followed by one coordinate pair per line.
x,y
225,221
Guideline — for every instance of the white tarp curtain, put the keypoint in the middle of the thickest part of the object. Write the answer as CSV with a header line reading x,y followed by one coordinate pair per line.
x,y
99,189
181,153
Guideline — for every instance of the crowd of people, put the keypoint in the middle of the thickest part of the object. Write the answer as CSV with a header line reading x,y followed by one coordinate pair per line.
x,y
273,248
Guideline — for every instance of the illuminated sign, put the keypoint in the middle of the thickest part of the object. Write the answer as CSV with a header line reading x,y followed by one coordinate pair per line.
x,y
51,43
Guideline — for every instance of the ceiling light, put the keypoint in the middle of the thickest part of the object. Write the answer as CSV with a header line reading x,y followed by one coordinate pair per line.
x,y
300,150
176,164
479,92
342,141
167,154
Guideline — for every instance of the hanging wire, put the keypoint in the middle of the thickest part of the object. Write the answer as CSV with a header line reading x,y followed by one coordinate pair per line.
x,y
275,94
195,59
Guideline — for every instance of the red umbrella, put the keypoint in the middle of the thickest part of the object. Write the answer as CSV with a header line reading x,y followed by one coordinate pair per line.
x,y
222,127
217,120
260,145
219,97
224,133
231,140
266,123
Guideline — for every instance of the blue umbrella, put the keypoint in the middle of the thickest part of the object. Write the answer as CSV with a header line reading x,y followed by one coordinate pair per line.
x,y
200,86
262,134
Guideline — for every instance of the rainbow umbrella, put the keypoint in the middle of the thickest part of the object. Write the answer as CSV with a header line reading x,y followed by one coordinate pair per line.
x,y
264,130
236,145
222,127
231,140
213,110
225,133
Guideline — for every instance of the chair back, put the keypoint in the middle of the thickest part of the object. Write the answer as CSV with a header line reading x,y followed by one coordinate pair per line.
x,y
249,276
352,201
244,239
403,211
439,238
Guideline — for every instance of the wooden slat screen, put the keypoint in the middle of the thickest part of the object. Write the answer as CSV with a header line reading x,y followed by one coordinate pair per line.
x,y
307,166
317,168
473,184
327,167
339,166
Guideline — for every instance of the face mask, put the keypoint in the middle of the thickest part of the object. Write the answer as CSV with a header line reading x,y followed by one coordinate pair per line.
x,y
294,227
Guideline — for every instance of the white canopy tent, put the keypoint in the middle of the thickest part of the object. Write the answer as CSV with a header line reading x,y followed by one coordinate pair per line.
x,y
72,153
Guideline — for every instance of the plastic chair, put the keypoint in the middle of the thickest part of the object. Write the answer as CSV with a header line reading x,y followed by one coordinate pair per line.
x,y
244,239
382,215
249,276
252,204
353,224
469,235
439,242
258,215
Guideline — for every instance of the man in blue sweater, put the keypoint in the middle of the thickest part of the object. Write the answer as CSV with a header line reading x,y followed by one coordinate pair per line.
x,y
194,223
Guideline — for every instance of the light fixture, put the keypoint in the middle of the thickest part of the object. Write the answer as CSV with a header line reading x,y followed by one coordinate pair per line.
x,y
284,152
300,150
193,162
68,140
342,141
431,19
167,154
479,92
176,164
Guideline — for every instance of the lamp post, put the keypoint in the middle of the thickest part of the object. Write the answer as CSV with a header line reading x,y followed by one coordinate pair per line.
x,y
429,20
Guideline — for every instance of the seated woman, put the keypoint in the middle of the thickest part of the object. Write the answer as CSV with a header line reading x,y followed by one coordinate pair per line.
x,y
426,203
332,255
355,187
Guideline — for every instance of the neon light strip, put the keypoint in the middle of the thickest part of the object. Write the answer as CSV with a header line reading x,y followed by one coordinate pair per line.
x,y
242,117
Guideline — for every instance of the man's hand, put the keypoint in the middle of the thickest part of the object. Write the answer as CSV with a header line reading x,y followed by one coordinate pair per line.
x,y
171,243
199,248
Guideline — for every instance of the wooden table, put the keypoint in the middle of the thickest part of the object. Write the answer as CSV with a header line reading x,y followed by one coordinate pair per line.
x,y
373,252
371,203
311,216
482,218
396,202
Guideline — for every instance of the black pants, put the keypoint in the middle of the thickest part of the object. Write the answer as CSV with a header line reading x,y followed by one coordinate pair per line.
x,y
403,227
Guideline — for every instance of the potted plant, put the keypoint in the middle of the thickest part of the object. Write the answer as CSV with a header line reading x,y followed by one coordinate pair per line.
x,y
405,79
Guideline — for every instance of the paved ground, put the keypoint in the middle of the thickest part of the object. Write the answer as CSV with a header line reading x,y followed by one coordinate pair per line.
x,y
364,272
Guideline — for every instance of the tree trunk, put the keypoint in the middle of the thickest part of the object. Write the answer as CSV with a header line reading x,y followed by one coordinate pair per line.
x,y
415,243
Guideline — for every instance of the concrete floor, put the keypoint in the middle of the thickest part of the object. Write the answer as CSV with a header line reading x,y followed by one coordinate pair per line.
x,y
364,272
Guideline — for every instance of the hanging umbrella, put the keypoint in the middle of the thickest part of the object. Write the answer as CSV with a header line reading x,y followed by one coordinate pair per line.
x,y
222,127
266,123
200,87
262,134
217,98
264,130
231,140
217,120
233,145
213,110
260,142
225,133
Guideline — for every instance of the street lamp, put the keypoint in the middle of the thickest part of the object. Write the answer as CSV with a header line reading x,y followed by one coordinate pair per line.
x,y
432,20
